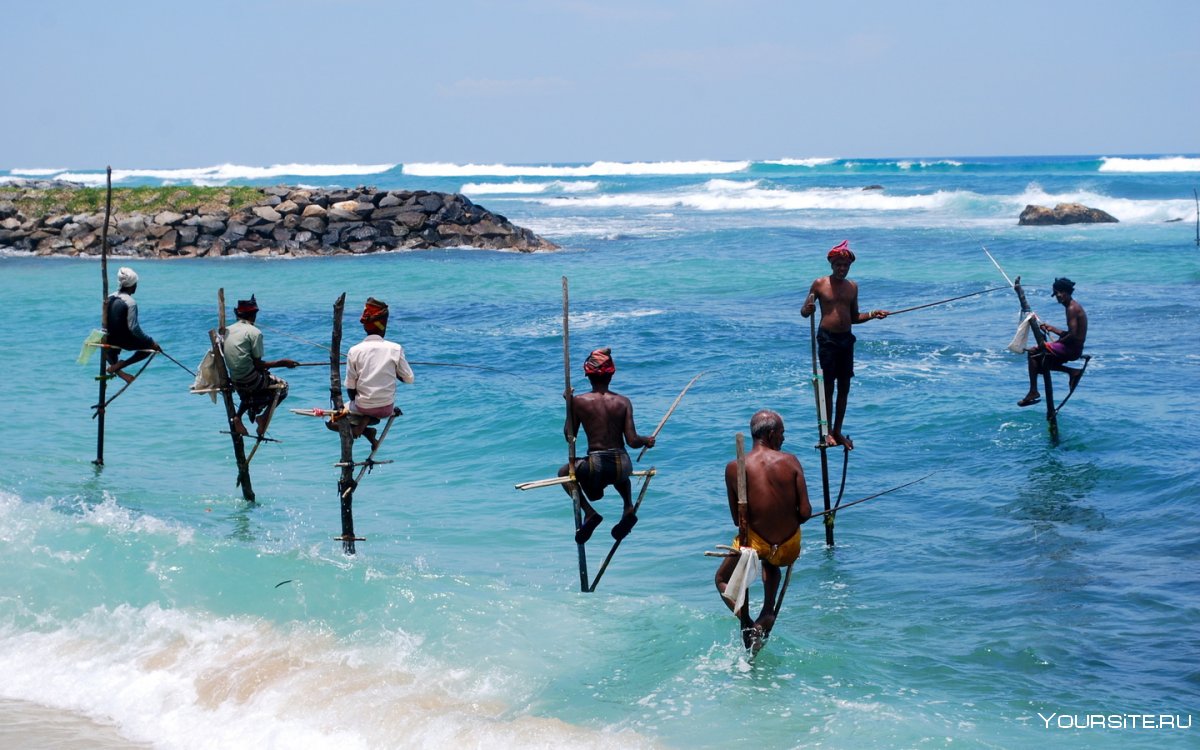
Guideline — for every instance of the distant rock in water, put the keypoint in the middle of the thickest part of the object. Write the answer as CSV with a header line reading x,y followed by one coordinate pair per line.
x,y
287,221
873,187
1064,213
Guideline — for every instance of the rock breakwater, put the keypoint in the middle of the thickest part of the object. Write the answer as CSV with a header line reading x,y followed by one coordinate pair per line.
x,y
285,221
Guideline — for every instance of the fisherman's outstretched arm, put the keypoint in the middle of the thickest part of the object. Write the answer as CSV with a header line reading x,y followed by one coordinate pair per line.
x,y
631,437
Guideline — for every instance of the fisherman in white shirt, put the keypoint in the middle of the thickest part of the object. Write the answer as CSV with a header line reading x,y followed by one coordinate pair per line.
x,y
372,368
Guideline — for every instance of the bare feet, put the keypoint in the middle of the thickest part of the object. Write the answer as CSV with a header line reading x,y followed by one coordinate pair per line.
x,y
239,428
589,525
840,439
1073,378
115,370
766,622
621,528
753,637
369,434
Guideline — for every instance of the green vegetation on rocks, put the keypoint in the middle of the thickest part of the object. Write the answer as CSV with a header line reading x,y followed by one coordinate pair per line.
x,y
147,200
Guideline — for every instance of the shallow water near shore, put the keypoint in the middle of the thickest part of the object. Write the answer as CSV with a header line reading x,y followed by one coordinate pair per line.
x,y
1022,579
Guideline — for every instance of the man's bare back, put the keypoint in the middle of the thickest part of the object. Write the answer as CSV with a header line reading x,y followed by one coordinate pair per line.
x,y
606,418
776,493
777,500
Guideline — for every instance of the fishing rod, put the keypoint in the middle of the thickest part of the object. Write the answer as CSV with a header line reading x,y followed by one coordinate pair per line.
x,y
872,497
669,413
731,552
322,347
952,299
147,351
998,268
424,364
185,367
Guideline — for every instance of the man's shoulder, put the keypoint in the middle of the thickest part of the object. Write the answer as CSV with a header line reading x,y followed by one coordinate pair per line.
x,y
782,458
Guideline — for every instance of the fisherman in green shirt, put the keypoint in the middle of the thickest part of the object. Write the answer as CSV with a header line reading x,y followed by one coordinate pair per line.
x,y
251,376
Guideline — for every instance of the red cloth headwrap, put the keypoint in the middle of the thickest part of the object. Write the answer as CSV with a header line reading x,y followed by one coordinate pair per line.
x,y
841,250
375,315
600,363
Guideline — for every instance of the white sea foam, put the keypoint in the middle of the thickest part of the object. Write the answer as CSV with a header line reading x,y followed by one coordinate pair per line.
x,y
813,162
731,195
1160,164
112,515
192,680
527,188
37,172
927,164
223,173
595,169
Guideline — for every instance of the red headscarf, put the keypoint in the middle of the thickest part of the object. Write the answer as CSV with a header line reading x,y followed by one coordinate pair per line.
x,y
375,315
841,251
246,305
600,363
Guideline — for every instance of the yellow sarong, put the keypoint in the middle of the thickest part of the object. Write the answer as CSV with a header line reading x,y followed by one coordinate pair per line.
x,y
779,555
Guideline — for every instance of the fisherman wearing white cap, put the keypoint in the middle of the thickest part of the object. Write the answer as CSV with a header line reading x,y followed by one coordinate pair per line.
x,y
123,330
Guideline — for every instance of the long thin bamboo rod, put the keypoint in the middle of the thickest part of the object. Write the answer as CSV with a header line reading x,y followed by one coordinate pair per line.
x,y
569,395
99,460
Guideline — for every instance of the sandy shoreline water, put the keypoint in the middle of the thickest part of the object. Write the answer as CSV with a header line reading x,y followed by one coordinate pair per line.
x,y
29,725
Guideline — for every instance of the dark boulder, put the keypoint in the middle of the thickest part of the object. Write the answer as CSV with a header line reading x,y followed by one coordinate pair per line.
x,y
1064,213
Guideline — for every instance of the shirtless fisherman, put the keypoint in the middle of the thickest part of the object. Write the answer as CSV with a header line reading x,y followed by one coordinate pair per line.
x,y
124,332
251,375
777,500
835,343
1068,348
607,419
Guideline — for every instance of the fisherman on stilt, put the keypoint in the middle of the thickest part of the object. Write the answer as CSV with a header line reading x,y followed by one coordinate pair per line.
x,y
607,419
257,388
838,296
1068,348
777,504
124,332
372,368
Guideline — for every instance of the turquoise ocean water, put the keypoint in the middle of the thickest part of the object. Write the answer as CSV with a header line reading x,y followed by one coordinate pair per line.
x,y
999,603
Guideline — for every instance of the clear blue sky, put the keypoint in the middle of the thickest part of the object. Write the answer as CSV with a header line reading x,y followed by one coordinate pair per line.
x,y
166,83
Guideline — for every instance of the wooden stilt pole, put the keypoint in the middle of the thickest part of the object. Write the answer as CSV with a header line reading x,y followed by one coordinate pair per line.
x,y
366,465
1047,383
742,494
569,395
225,386
613,550
818,379
787,577
346,480
103,317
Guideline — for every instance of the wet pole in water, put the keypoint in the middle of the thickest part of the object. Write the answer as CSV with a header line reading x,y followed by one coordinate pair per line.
x,y
217,339
1047,383
818,381
569,395
346,481
103,377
